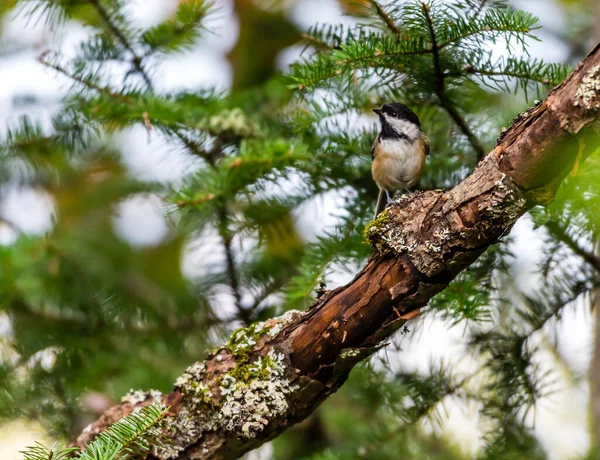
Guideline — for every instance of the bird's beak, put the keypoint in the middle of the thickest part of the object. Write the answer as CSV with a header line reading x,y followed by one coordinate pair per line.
x,y
377,111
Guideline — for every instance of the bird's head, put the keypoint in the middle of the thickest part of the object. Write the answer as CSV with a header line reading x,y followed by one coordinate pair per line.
x,y
399,119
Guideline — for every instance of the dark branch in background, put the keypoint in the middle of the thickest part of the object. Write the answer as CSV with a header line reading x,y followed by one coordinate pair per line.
x,y
234,282
480,7
274,374
464,127
440,89
556,308
85,82
136,59
209,155
560,233
424,411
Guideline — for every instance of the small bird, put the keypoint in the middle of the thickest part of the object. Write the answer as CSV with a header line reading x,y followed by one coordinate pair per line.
x,y
398,153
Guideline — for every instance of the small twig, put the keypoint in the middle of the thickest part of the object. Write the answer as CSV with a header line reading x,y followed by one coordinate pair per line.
x,y
200,200
210,156
312,40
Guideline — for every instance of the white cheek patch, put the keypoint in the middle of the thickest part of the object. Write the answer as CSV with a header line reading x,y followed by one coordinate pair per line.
x,y
403,126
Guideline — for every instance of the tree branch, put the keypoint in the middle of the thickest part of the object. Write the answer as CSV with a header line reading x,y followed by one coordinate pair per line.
x,y
274,374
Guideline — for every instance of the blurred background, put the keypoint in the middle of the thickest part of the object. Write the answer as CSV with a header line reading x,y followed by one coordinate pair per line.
x,y
110,284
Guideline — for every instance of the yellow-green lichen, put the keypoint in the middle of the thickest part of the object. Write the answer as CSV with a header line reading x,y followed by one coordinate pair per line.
x,y
242,341
376,227
245,372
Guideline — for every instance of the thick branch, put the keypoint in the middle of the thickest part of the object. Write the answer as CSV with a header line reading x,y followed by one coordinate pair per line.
x,y
274,374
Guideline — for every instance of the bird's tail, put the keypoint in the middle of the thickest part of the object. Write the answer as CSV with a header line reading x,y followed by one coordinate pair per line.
x,y
381,203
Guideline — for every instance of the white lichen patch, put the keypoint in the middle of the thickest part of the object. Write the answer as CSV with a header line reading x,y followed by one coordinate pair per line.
x,y
500,182
587,95
285,319
255,397
135,397
186,429
395,238
194,373
191,384
442,234
432,247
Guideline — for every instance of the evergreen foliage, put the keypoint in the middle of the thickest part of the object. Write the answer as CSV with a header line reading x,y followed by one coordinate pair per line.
x,y
113,315
129,437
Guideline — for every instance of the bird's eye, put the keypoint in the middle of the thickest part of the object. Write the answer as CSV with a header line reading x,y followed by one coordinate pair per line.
x,y
394,114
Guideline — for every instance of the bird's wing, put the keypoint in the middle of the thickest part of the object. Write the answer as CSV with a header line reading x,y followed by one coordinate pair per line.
x,y
373,148
425,140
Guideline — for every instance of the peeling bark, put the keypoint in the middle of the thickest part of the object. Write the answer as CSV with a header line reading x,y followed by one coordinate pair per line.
x,y
274,374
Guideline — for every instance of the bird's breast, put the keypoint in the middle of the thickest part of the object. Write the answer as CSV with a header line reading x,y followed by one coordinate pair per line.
x,y
398,164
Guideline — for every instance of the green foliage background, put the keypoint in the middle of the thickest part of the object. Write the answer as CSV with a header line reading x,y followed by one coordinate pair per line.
x,y
116,316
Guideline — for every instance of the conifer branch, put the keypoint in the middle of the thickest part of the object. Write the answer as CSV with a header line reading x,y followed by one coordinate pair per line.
x,y
389,22
439,74
136,59
561,234
480,7
417,416
440,88
88,83
283,369
130,437
498,73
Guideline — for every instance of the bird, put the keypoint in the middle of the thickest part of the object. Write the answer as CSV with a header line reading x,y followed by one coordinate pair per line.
x,y
398,153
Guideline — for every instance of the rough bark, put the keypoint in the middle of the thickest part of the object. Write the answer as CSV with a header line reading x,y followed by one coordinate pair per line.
x,y
274,374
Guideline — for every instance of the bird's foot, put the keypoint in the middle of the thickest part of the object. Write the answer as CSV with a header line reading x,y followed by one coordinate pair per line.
x,y
390,200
